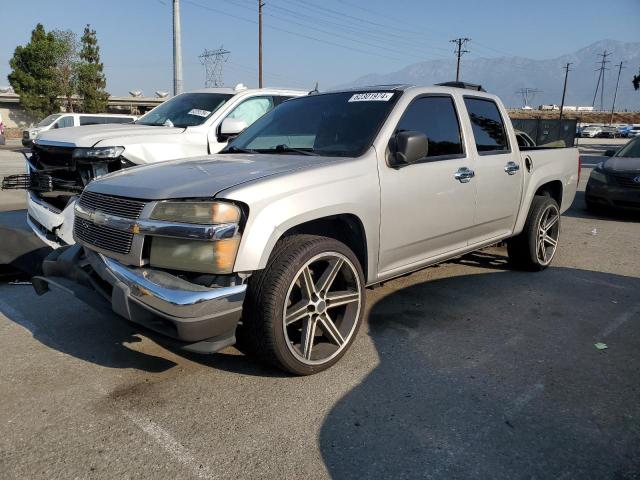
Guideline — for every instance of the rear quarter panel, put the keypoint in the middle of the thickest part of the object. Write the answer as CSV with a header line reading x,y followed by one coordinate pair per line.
x,y
553,164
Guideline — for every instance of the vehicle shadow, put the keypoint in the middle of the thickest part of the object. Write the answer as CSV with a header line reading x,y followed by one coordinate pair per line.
x,y
495,375
69,326
103,338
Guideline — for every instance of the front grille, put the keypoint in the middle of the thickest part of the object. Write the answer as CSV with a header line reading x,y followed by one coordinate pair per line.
x,y
627,180
48,157
121,207
102,236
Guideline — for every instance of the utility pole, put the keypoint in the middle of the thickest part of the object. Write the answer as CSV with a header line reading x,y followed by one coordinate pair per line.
x,y
602,68
177,49
260,5
459,51
564,89
613,105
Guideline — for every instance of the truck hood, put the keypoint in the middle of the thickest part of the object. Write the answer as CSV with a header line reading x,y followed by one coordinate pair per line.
x,y
199,177
622,164
89,135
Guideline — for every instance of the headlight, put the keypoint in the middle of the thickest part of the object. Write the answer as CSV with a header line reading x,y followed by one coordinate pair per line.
x,y
598,175
204,256
201,256
202,213
98,152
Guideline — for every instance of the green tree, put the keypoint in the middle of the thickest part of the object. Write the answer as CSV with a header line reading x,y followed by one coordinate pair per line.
x,y
66,57
89,71
33,74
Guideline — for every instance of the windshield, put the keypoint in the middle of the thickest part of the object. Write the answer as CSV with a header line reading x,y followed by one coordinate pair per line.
x,y
185,110
334,124
631,149
48,121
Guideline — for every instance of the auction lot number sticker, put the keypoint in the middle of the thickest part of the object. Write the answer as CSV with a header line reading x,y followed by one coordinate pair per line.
x,y
371,97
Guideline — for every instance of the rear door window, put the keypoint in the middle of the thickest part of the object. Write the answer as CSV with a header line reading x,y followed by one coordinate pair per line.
x,y
436,117
89,120
487,124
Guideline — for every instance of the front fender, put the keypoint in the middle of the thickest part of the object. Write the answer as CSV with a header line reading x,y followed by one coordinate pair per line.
x,y
277,204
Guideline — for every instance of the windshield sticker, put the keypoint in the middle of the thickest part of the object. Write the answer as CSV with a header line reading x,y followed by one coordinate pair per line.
x,y
199,113
371,97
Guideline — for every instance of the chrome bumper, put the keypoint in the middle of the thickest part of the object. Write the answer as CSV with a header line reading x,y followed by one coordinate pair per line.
x,y
202,319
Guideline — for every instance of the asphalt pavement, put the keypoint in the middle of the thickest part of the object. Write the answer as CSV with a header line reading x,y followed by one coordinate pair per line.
x,y
464,370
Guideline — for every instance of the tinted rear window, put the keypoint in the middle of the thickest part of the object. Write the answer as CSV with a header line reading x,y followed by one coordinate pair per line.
x,y
488,126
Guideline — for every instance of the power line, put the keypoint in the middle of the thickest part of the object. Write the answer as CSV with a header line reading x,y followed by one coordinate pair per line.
x,y
311,22
613,105
601,69
564,89
301,35
213,61
460,42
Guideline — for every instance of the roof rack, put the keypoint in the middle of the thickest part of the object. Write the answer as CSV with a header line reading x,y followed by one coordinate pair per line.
x,y
465,85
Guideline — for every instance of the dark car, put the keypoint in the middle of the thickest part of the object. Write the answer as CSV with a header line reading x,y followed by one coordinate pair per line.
x,y
616,182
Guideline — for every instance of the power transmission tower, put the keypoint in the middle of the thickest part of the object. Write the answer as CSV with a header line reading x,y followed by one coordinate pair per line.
x,y
177,49
459,51
613,105
213,61
528,94
602,68
260,5
564,89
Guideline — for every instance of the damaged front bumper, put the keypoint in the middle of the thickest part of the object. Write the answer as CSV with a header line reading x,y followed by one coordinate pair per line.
x,y
197,318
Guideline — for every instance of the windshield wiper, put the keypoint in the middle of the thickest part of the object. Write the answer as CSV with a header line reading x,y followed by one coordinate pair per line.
x,y
283,148
234,149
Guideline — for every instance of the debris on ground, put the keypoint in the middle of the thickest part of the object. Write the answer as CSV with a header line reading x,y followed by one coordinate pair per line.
x,y
600,346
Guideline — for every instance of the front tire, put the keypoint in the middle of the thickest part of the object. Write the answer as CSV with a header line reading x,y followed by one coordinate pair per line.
x,y
303,311
535,247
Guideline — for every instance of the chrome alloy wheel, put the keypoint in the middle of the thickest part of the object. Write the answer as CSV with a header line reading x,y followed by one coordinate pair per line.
x,y
548,234
322,308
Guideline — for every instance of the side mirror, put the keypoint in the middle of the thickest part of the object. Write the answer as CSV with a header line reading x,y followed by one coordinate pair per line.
x,y
411,146
609,153
231,127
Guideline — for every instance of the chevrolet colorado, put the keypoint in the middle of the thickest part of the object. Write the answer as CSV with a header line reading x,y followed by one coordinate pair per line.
x,y
272,242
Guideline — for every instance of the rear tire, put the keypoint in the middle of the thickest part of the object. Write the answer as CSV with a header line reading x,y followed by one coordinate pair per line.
x,y
534,248
303,311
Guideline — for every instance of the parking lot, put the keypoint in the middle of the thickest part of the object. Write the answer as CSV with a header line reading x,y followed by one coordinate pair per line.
x,y
464,370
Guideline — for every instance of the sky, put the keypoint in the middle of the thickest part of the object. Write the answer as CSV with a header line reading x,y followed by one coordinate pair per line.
x,y
307,41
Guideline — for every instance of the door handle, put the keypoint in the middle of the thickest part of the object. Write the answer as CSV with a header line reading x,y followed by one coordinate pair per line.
x,y
464,175
511,168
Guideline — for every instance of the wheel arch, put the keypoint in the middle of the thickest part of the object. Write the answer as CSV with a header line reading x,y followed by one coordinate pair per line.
x,y
551,189
346,228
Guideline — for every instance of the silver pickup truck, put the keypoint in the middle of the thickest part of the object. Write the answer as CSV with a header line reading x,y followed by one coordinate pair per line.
x,y
272,242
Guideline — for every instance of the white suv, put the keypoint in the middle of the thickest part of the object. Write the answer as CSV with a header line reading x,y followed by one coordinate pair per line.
x,y
191,124
65,120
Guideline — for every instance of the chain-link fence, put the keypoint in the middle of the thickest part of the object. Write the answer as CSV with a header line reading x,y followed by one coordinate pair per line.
x,y
547,132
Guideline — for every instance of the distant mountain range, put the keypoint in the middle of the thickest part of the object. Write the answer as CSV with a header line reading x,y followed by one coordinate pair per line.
x,y
504,76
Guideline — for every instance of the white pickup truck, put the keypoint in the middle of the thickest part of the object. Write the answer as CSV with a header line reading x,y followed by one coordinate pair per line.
x,y
273,240
192,124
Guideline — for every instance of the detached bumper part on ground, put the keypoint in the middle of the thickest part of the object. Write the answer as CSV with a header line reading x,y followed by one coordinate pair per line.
x,y
201,319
